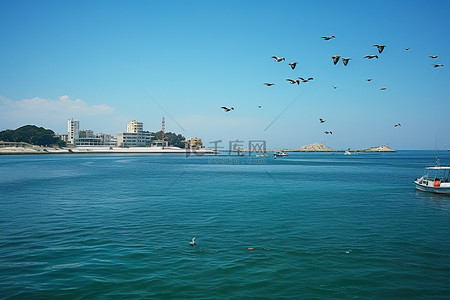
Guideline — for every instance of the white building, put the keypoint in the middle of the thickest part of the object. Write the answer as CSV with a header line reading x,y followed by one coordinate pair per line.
x,y
135,127
87,137
135,136
73,130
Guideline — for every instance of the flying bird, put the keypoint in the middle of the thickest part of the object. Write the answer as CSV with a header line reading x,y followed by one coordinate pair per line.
x,y
293,64
335,87
321,120
259,106
268,83
278,59
327,38
345,60
305,80
398,124
369,79
193,242
380,48
438,65
433,56
292,81
328,132
408,48
371,56
335,59
226,109
383,89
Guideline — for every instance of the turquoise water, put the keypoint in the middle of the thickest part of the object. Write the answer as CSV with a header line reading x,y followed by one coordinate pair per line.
x,y
321,225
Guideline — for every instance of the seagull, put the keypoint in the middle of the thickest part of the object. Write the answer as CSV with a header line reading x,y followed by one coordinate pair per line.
x,y
438,65
433,56
398,124
321,120
193,242
328,132
306,80
369,79
293,64
268,83
327,38
335,58
278,59
227,109
292,81
371,56
380,48
345,60
259,106
383,89
408,48
335,87
348,251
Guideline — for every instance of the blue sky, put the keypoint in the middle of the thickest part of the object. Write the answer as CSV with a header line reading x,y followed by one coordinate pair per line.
x,y
108,62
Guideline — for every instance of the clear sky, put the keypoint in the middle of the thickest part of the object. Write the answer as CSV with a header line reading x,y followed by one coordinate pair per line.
x,y
106,63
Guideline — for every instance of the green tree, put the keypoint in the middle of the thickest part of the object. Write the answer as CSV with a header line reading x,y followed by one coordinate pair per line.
x,y
30,134
176,140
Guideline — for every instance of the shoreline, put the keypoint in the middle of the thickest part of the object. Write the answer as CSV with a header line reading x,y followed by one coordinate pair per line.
x,y
91,150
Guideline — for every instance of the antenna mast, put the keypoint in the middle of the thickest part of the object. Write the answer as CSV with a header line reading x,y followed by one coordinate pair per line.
x,y
163,131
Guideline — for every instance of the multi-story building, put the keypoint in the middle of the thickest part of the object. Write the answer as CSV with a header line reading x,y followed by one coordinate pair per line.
x,y
73,129
87,137
194,143
135,136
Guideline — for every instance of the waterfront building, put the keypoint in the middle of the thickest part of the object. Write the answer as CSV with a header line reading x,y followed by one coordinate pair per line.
x,y
194,143
73,129
135,136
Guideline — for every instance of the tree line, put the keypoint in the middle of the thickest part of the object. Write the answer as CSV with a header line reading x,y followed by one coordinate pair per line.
x,y
31,134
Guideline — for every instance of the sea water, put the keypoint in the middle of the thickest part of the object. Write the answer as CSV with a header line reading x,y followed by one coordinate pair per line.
x,y
321,225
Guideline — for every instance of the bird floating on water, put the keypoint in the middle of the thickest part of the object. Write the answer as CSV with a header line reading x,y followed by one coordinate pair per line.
x,y
380,48
433,56
397,125
335,59
293,64
321,120
269,83
371,56
292,81
328,132
327,38
305,80
192,243
259,106
278,59
226,109
438,65
345,60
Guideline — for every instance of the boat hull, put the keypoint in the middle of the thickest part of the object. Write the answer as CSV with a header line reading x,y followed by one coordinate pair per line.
x,y
432,189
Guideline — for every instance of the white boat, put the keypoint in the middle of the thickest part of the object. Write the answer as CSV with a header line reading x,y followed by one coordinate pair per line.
x,y
347,152
280,153
435,180
262,155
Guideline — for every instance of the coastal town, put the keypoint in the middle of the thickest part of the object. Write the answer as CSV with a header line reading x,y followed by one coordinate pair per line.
x,y
137,140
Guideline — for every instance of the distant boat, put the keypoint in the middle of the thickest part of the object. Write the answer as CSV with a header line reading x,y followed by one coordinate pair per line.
x,y
262,155
347,152
435,180
280,153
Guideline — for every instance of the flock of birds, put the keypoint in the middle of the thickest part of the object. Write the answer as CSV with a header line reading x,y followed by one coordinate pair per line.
x,y
335,59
